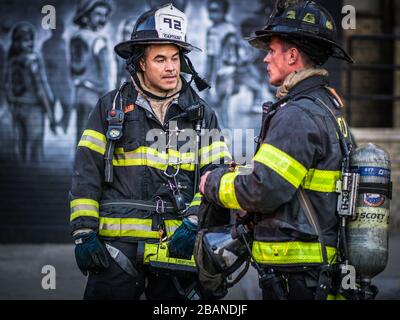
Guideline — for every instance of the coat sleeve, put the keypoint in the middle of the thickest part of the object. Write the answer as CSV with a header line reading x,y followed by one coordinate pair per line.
x,y
88,172
291,146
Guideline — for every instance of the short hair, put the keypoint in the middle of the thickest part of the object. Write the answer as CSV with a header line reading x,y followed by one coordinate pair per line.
x,y
287,44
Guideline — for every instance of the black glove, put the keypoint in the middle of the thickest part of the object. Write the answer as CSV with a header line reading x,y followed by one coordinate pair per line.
x,y
90,253
182,242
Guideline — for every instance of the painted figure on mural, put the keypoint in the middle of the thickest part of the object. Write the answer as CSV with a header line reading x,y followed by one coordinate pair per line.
x,y
55,56
222,58
122,73
251,70
2,60
28,93
90,63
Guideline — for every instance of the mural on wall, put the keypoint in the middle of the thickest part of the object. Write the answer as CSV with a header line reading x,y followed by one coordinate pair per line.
x,y
54,77
74,64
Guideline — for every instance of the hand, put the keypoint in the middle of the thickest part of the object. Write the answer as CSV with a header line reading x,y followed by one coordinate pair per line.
x,y
182,241
203,181
90,253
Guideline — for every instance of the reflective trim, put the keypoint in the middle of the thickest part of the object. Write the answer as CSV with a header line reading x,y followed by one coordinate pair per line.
x,y
196,200
171,226
321,180
339,296
227,195
94,141
133,227
145,156
214,153
286,253
154,253
84,208
283,164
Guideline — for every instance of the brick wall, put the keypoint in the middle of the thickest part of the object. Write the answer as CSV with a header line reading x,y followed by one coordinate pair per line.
x,y
369,113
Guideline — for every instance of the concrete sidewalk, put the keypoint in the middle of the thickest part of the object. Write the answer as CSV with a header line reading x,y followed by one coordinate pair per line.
x,y
21,274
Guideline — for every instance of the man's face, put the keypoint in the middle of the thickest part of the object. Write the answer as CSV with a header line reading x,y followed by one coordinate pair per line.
x,y
97,17
216,12
277,62
161,67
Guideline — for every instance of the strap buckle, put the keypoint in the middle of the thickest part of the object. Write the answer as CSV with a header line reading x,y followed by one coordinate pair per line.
x,y
160,208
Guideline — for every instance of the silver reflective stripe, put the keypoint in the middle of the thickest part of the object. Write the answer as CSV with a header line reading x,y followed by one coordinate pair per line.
x,y
172,229
93,140
138,227
208,155
163,158
141,155
80,207
150,206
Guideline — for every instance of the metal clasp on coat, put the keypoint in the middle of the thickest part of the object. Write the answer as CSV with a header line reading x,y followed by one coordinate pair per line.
x,y
171,176
160,205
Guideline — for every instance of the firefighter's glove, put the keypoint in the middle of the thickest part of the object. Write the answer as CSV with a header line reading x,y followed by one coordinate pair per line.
x,y
182,241
90,253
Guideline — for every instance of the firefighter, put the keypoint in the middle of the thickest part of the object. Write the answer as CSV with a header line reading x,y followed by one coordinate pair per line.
x,y
290,194
129,191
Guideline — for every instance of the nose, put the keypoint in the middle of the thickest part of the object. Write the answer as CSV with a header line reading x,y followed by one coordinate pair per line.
x,y
267,58
169,65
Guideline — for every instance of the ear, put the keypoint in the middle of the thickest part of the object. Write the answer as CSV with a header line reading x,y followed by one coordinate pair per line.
x,y
142,64
294,56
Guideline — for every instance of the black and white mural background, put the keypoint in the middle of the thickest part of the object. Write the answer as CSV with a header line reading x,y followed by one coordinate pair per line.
x,y
40,71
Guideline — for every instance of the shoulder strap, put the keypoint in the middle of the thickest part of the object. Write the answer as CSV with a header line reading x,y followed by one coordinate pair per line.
x,y
312,219
342,140
115,121
270,109
325,275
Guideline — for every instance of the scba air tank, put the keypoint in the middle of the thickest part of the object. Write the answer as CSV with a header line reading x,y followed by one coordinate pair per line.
x,y
367,232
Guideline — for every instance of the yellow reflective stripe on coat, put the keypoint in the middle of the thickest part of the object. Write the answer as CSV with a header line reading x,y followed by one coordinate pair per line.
x,y
227,195
196,200
133,227
213,153
286,253
171,226
154,252
84,208
145,156
338,296
321,180
287,167
93,140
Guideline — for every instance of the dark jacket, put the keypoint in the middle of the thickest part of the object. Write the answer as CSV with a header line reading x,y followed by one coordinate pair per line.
x,y
138,166
300,148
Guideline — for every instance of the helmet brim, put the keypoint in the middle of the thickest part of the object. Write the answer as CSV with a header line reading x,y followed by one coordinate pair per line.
x,y
263,37
126,48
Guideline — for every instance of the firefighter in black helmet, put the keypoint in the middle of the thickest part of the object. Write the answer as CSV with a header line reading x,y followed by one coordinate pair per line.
x,y
290,193
134,186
